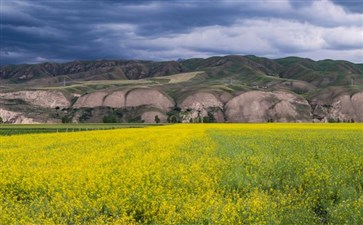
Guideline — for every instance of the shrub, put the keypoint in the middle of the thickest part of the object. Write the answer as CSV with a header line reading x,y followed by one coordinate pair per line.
x,y
157,119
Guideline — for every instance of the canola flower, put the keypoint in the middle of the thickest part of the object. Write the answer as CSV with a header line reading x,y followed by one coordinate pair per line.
x,y
185,174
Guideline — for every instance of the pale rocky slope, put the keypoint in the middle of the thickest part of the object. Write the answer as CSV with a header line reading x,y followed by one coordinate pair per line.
x,y
201,104
143,104
47,99
15,117
258,106
126,98
343,108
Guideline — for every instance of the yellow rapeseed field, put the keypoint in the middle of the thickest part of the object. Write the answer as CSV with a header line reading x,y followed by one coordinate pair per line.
x,y
185,174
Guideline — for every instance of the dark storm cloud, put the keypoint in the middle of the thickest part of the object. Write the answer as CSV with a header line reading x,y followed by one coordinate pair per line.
x,y
351,5
355,6
61,30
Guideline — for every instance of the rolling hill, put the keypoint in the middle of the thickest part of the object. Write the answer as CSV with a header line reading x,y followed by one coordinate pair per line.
x,y
217,89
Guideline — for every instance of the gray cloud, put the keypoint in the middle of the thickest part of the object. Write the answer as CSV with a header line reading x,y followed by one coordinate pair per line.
x,y
351,5
40,30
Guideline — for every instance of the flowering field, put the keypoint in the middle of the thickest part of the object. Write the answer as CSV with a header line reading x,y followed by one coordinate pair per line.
x,y
185,174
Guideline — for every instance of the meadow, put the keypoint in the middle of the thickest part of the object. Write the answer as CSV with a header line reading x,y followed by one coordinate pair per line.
x,y
185,174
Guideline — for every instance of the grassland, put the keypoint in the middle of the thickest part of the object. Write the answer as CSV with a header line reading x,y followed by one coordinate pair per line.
x,y
17,129
178,78
185,174
101,84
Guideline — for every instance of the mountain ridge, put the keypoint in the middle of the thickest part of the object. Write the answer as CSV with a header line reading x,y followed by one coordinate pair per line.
x,y
276,66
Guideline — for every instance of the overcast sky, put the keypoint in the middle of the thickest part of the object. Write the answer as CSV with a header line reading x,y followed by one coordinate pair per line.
x,y
35,31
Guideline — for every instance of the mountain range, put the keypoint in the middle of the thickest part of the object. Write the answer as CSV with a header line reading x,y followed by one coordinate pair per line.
x,y
229,88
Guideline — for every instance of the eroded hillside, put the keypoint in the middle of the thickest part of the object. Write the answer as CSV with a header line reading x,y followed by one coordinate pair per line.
x,y
217,89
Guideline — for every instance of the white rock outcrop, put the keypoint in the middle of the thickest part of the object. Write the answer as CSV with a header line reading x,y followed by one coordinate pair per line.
x,y
200,104
8,116
126,98
116,99
91,100
46,99
259,106
149,97
346,108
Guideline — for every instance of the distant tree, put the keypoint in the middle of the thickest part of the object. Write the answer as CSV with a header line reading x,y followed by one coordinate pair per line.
x,y
1,120
110,119
174,115
66,119
157,119
172,119
211,118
